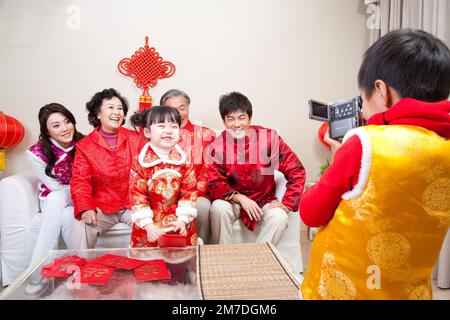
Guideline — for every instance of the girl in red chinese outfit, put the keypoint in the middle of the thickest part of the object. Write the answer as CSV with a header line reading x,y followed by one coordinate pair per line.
x,y
163,183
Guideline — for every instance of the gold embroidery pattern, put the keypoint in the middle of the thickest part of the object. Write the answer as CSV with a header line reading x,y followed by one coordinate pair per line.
x,y
436,198
166,185
194,239
377,225
420,293
435,171
389,250
150,270
93,272
167,220
334,285
358,203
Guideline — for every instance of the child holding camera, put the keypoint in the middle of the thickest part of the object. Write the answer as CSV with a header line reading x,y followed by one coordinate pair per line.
x,y
163,183
384,203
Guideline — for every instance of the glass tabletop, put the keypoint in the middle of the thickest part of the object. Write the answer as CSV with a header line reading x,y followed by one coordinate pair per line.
x,y
181,262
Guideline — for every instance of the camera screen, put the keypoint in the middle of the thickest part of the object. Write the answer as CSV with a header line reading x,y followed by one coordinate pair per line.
x,y
339,128
318,110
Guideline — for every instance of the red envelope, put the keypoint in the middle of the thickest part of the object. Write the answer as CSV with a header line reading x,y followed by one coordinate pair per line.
x,y
92,273
76,260
152,270
62,270
118,262
172,240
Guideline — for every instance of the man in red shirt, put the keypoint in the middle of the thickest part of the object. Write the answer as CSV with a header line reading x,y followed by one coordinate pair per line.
x,y
241,177
195,140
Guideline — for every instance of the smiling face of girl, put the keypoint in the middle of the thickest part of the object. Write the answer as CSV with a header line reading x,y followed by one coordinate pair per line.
x,y
163,135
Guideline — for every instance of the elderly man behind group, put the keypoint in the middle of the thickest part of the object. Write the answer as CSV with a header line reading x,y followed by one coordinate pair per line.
x,y
195,140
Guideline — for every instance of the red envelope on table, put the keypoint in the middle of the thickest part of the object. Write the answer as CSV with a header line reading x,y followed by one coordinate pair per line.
x,y
62,268
152,270
92,273
76,260
172,240
118,262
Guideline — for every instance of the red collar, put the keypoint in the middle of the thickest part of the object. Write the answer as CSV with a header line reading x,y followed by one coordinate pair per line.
x,y
433,116
189,126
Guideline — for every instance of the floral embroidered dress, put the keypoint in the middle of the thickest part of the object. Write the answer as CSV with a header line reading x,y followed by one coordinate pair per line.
x,y
161,192
62,169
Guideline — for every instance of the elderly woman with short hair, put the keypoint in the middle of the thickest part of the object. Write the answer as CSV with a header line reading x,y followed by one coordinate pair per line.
x,y
101,170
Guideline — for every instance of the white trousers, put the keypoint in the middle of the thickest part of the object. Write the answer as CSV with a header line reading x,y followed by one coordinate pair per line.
x,y
203,221
85,236
57,211
224,214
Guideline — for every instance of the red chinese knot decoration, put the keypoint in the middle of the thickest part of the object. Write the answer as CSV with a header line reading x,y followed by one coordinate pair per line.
x,y
146,66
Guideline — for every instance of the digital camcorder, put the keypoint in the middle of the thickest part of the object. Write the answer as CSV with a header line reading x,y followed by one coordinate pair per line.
x,y
341,116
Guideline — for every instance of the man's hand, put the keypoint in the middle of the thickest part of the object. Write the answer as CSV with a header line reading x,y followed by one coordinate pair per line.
x,y
89,217
278,204
180,227
333,143
153,232
251,207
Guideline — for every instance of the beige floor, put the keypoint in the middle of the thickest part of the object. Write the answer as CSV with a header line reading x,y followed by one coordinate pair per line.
x,y
438,294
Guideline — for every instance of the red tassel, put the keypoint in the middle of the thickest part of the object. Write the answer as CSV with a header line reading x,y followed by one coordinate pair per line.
x,y
145,102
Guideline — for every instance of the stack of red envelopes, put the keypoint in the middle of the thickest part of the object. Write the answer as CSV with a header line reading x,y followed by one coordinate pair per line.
x,y
62,268
92,273
100,270
118,262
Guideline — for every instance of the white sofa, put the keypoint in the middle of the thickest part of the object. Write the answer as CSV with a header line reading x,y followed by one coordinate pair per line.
x,y
20,219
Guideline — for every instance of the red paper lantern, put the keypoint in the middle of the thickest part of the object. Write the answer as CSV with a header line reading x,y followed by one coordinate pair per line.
x,y
321,134
11,131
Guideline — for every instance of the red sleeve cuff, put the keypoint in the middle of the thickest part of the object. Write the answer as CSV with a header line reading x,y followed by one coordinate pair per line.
x,y
319,203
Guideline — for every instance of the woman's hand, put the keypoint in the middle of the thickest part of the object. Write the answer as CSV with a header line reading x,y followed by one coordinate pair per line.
x,y
251,207
180,227
153,232
334,144
89,217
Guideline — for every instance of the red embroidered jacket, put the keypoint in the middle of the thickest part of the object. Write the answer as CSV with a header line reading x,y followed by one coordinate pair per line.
x,y
246,166
100,176
196,141
161,192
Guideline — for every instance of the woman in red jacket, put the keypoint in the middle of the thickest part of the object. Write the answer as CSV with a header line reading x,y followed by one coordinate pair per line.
x,y
101,170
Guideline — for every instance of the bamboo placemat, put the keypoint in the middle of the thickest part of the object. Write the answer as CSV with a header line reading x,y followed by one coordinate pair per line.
x,y
249,271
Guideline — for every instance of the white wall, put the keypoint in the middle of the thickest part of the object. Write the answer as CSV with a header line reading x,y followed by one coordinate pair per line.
x,y
279,53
